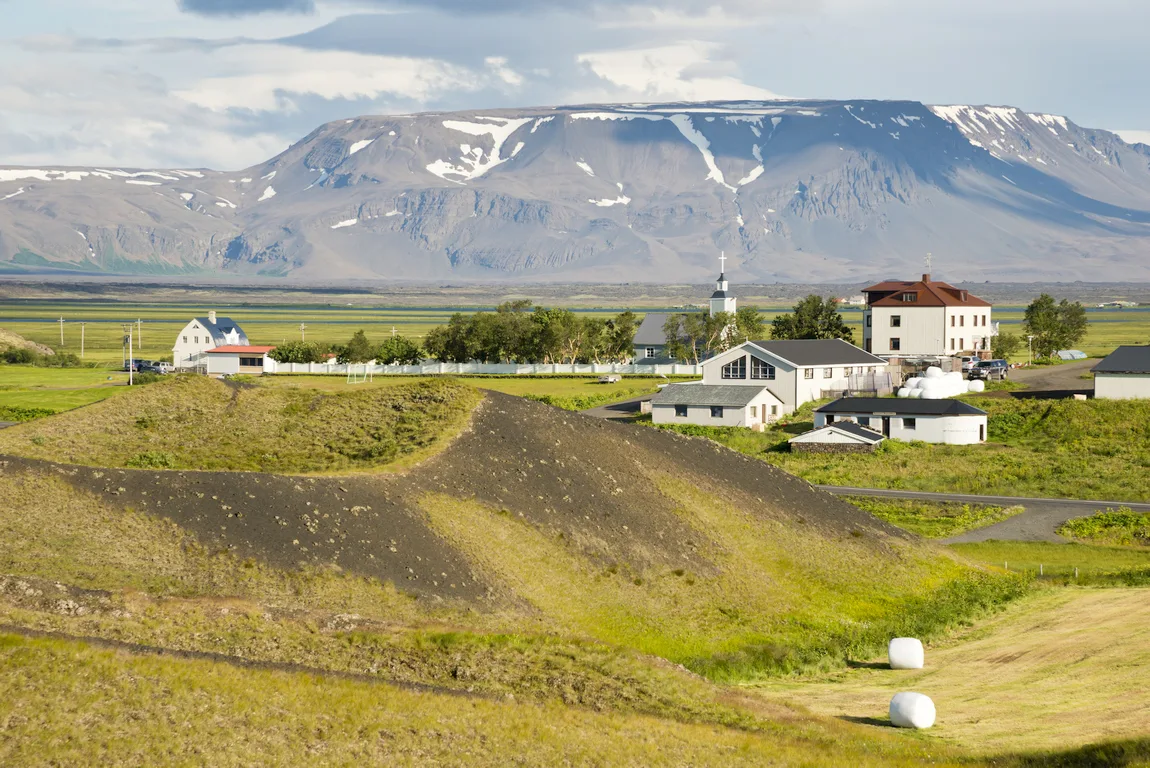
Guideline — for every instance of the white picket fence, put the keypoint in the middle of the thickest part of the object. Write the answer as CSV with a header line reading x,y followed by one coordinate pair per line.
x,y
493,369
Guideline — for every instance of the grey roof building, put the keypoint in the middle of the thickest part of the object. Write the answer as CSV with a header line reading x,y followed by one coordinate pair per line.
x,y
1124,374
1125,359
899,406
704,394
804,352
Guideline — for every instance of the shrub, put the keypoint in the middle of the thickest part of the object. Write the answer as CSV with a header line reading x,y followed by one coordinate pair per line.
x,y
152,460
18,413
1123,527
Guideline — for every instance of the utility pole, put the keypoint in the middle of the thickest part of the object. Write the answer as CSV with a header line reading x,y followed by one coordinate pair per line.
x,y
82,340
139,333
128,338
302,332
61,321
1029,350
393,331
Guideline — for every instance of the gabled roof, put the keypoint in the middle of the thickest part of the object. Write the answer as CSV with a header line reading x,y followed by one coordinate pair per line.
x,y
731,395
1125,359
928,293
858,431
650,331
240,348
900,406
221,327
809,352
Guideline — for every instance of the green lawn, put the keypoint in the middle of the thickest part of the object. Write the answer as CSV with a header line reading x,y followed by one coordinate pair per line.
x,y
29,377
1055,559
933,520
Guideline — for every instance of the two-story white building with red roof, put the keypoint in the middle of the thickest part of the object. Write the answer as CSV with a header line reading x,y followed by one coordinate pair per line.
x,y
927,318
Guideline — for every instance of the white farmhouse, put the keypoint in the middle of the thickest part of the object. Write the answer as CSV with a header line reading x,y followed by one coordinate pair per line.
x,y
950,422
230,360
927,318
757,382
1124,374
202,334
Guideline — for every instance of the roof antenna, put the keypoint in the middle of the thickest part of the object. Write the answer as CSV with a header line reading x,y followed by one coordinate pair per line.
x,y
928,258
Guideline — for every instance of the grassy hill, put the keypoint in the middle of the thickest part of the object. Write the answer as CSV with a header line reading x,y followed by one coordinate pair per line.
x,y
193,422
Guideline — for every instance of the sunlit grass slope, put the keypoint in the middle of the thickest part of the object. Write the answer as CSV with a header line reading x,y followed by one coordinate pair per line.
x,y
192,422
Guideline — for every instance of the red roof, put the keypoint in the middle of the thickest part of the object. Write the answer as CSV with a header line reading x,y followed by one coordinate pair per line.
x,y
928,293
241,349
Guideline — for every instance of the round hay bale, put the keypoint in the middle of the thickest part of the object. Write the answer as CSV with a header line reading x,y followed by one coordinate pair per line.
x,y
976,386
916,393
914,383
905,653
904,392
934,372
911,710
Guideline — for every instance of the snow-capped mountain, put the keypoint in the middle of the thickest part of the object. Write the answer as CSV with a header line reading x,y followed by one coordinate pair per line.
x,y
795,190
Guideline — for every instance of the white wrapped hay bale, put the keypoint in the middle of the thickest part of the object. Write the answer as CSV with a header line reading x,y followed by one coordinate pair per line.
x,y
976,386
916,393
904,392
911,710
905,653
934,372
914,382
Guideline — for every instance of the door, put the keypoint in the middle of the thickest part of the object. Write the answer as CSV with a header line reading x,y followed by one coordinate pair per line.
x,y
982,433
886,426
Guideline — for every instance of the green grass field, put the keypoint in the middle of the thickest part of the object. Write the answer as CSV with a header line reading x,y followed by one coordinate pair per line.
x,y
1056,559
57,389
933,520
334,323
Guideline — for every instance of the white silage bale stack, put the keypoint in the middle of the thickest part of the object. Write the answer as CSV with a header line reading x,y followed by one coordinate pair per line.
x,y
905,653
904,392
934,372
911,710
976,386
916,393
914,383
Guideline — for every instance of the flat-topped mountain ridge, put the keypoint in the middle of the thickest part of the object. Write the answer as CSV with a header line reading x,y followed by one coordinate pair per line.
x,y
793,191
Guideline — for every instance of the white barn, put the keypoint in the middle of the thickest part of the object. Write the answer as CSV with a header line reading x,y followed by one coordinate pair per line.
x,y
948,422
202,334
1124,374
235,359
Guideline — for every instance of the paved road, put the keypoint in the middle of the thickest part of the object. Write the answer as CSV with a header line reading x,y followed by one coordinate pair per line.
x,y
1057,380
1037,523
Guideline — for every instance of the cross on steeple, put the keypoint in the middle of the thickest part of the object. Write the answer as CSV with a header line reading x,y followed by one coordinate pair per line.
x,y
722,262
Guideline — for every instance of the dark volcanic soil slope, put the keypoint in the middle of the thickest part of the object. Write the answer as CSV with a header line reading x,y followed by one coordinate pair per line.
x,y
563,472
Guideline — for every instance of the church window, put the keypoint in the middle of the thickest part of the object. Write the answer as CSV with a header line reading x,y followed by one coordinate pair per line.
x,y
761,370
185,339
736,369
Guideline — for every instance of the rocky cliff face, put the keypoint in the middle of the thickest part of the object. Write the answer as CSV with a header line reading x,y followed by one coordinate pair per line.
x,y
790,190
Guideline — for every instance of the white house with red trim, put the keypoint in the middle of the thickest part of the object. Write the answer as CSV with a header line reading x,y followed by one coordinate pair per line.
x,y
235,359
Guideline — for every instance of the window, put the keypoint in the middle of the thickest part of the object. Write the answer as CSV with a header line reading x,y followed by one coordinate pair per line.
x,y
951,343
868,321
908,423
895,344
962,343
910,297
828,373
984,321
866,345
962,321
197,338
649,351
774,410
808,373
896,321
680,411
864,421
952,321
716,411
754,412
736,369
251,362
185,339
761,370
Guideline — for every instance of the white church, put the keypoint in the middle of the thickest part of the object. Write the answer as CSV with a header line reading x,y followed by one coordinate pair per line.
x,y
651,343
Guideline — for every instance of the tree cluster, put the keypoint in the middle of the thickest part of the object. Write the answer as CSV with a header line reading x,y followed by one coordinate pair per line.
x,y
395,350
1054,324
517,332
812,318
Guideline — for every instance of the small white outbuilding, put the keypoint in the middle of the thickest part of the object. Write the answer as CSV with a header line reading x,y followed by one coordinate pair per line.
x,y
237,359
948,422
1124,374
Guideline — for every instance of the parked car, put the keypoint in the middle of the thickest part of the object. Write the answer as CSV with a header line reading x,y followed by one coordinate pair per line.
x,y
611,378
968,363
150,368
135,363
990,370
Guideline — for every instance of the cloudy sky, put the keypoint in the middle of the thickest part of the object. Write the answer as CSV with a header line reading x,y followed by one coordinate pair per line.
x,y
228,83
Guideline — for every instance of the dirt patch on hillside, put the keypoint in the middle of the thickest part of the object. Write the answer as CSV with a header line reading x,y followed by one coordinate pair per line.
x,y
10,340
563,472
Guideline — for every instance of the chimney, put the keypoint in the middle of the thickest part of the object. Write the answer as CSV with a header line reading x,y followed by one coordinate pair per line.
x,y
212,317
926,278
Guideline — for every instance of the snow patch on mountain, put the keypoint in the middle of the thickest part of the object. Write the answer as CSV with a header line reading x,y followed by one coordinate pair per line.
x,y
475,163
268,194
358,146
348,223
687,128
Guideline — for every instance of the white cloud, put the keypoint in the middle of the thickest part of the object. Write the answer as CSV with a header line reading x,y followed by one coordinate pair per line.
x,y
268,74
681,71
1134,136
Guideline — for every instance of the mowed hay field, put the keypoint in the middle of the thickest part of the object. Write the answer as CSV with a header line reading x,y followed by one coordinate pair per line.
x,y
193,422
1064,668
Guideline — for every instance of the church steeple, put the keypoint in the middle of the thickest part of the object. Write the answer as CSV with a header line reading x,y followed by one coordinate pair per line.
x,y
720,301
